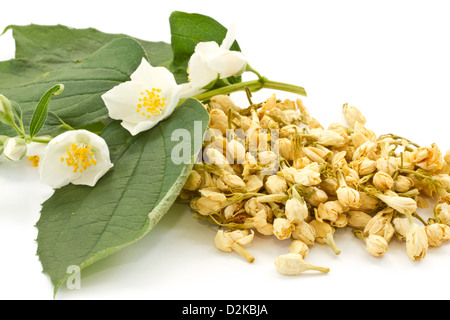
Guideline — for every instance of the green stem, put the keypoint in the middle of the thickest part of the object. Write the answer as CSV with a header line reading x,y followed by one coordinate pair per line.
x,y
37,139
396,137
19,131
253,85
250,69
330,241
419,218
41,140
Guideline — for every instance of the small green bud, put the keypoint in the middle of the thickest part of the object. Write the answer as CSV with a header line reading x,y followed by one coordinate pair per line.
x,y
6,114
2,142
15,149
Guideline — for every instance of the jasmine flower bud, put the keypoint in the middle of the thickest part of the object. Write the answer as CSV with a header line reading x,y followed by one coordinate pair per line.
x,y
15,149
298,246
353,115
282,228
436,233
211,62
236,151
317,197
416,242
348,197
401,204
364,166
442,210
232,180
267,157
401,226
285,148
276,184
194,181
381,225
6,114
383,181
358,219
3,139
296,210
403,184
329,138
428,158
376,245
292,264
218,120
253,183
324,234
329,210
305,232
447,157
228,241
308,176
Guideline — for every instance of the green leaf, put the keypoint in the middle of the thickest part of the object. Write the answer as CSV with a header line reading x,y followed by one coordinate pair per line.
x,y
84,82
187,30
87,61
80,225
62,44
41,112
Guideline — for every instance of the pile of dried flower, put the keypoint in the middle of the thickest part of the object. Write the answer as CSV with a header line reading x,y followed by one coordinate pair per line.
x,y
273,169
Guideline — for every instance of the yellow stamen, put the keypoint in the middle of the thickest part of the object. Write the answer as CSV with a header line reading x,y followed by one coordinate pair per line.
x,y
152,101
34,160
79,156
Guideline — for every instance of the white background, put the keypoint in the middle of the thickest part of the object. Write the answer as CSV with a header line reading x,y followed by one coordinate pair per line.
x,y
388,58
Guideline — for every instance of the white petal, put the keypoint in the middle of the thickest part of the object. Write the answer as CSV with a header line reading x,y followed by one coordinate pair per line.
x,y
187,90
122,100
200,74
142,72
229,38
227,63
36,149
52,171
94,173
157,77
205,49
137,127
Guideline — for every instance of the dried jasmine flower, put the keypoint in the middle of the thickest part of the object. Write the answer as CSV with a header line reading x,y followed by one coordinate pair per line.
x,y
272,168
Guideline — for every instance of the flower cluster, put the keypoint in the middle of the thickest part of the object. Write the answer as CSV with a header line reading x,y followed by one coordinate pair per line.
x,y
75,156
152,93
291,178
150,96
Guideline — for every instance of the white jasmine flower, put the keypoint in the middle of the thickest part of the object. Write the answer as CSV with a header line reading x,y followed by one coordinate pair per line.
x,y
211,61
148,98
78,157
